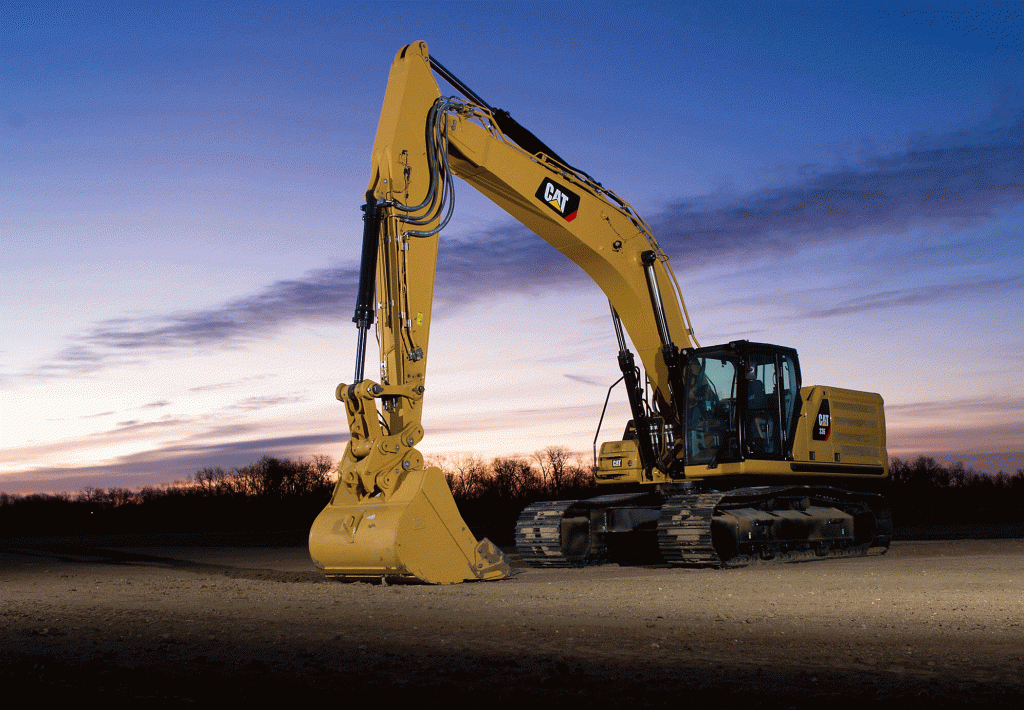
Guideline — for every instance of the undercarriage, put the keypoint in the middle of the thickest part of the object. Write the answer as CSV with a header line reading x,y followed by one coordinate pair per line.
x,y
679,527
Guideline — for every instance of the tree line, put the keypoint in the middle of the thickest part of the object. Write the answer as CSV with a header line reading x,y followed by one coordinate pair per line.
x,y
275,495
269,495
925,494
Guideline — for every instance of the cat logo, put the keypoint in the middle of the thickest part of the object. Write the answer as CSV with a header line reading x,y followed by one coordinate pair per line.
x,y
823,426
562,200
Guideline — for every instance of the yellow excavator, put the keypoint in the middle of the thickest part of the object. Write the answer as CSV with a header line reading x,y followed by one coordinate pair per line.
x,y
727,460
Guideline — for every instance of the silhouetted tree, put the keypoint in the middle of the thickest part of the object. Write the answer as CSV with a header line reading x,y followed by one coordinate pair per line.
x,y
554,464
512,476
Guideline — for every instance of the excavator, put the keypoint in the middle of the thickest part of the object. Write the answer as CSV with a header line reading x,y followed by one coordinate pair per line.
x,y
728,458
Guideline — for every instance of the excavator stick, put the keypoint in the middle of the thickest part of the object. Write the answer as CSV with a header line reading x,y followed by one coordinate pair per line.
x,y
416,534
390,516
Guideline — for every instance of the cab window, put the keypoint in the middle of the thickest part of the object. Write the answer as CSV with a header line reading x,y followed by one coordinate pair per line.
x,y
711,386
770,402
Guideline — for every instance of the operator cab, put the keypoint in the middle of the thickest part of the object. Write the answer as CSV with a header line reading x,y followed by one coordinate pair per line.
x,y
741,401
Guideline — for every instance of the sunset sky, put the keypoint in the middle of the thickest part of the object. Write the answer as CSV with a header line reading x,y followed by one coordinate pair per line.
x,y
180,229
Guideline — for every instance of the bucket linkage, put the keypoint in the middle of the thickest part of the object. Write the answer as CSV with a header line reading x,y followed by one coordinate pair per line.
x,y
390,517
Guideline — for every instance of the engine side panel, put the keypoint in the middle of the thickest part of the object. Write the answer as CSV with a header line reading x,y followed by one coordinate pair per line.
x,y
841,426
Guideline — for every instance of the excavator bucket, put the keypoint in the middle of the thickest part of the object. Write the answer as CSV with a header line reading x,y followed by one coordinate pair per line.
x,y
415,534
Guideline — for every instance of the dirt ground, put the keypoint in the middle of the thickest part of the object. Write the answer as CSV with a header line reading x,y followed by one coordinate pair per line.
x,y
929,624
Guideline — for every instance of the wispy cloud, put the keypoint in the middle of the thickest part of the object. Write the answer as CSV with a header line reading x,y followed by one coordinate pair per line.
x,y
136,426
953,180
162,465
319,297
180,433
956,180
956,438
989,407
123,433
915,296
983,431
251,404
587,380
227,385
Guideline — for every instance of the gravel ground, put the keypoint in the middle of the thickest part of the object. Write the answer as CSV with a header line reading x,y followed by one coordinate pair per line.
x,y
930,623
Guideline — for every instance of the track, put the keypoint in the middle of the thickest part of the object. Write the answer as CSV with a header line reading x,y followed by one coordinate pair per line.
x,y
691,530
539,538
684,530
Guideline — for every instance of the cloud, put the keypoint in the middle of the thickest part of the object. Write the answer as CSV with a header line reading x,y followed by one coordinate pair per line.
x,y
175,462
991,407
924,294
252,404
982,431
504,258
227,385
181,434
318,297
123,432
587,380
954,180
955,439
135,426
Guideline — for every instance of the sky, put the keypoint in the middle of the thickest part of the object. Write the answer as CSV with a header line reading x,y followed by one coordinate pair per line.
x,y
180,229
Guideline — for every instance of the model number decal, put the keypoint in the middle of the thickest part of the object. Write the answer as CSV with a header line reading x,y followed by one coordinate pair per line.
x,y
561,199
823,425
